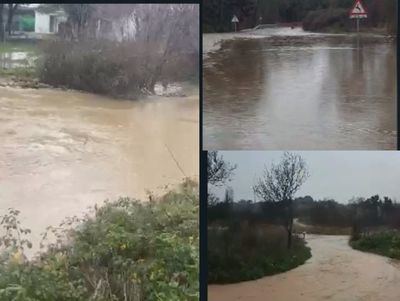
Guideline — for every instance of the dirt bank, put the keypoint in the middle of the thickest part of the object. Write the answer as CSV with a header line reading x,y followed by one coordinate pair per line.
x,y
335,272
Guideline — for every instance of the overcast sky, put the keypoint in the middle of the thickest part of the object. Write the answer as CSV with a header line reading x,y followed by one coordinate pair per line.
x,y
333,174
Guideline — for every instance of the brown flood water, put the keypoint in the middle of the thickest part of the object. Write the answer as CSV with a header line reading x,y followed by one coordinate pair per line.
x,y
325,94
335,272
62,151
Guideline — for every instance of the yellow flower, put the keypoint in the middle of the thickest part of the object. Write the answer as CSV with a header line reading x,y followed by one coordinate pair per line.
x,y
18,257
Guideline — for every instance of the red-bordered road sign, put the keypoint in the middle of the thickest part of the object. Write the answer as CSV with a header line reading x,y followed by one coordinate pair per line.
x,y
358,11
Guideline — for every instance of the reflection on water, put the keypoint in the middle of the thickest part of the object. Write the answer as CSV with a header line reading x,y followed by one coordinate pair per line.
x,y
325,95
62,151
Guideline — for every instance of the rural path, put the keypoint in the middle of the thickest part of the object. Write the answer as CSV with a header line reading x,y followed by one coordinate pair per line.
x,y
335,272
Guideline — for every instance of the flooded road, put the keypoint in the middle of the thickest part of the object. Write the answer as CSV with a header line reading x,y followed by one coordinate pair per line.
x,y
333,93
335,272
62,151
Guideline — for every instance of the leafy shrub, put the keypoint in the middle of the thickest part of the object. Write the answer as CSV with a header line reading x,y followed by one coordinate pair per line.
x,y
127,251
242,252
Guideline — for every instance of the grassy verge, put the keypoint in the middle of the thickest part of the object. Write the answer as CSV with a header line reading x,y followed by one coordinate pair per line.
x,y
240,253
128,250
385,243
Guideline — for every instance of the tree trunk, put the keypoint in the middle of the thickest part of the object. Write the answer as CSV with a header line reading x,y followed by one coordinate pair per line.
x,y
10,17
289,224
289,238
2,35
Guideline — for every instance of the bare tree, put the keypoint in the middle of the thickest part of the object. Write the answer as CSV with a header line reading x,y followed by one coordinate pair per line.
x,y
280,182
218,170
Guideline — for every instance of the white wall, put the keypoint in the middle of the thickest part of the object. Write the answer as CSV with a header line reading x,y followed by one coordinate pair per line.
x,y
42,23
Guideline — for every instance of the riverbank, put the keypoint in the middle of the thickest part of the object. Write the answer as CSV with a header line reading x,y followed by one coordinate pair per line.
x,y
127,250
335,272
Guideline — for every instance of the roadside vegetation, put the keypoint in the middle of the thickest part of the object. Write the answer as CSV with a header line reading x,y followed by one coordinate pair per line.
x,y
386,243
240,252
126,250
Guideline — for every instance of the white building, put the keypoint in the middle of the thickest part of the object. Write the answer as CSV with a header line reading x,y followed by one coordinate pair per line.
x,y
48,23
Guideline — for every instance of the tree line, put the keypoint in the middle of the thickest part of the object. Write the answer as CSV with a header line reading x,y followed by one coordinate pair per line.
x,y
217,14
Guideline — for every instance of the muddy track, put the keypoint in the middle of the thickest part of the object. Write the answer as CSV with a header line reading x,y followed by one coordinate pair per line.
x,y
335,272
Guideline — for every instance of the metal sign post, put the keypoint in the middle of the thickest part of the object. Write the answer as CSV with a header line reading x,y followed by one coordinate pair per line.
x,y
358,12
235,21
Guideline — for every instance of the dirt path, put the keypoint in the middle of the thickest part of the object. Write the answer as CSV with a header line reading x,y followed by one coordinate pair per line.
x,y
335,272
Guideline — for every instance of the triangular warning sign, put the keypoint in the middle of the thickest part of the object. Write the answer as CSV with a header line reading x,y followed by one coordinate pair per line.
x,y
358,10
235,19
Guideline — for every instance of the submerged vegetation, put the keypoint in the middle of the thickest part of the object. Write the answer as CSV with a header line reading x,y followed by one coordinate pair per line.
x,y
128,250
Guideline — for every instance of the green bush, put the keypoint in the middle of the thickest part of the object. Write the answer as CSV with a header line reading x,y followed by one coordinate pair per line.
x,y
128,250
334,20
240,252
386,243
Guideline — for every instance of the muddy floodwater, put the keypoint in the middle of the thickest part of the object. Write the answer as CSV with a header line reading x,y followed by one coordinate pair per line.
x,y
335,272
63,151
333,93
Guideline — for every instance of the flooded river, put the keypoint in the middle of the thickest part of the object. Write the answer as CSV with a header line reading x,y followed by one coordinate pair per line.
x,y
335,272
62,151
333,93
